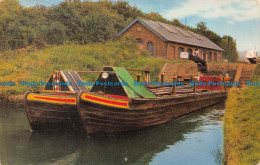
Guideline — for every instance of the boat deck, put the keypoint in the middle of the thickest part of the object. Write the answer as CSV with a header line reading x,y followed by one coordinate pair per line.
x,y
180,92
167,90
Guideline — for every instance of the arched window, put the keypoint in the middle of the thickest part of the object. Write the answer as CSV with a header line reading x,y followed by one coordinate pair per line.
x,y
150,48
215,57
210,56
180,49
140,42
204,56
189,51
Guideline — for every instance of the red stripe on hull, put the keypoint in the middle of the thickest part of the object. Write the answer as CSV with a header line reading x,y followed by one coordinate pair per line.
x,y
54,99
105,101
118,97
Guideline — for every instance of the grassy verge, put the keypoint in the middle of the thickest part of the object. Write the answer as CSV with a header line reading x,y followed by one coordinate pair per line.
x,y
242,124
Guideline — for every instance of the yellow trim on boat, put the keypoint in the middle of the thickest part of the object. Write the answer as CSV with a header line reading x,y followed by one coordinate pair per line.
x,y
49,99
105,101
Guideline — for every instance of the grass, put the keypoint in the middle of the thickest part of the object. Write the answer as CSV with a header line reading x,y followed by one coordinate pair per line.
x,y
242,124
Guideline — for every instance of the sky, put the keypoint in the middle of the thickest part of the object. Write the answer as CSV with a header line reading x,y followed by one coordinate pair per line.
x,y
237,18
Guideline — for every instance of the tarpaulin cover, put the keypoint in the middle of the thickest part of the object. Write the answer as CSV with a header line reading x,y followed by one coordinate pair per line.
x,y
130,88
211,83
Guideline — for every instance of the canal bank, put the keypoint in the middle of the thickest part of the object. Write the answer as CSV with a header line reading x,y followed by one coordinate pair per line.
x,y
11,99
242,124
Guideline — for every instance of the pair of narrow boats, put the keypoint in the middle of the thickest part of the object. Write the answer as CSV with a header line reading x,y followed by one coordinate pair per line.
x,y
118,106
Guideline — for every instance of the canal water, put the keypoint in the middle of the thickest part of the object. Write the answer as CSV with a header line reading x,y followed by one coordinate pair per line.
x,y
195,139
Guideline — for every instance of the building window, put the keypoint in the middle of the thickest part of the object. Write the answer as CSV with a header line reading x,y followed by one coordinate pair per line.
x,y
189,51
140,42
210,56
180,49
215,56
150,48
173,51
138,29
204,56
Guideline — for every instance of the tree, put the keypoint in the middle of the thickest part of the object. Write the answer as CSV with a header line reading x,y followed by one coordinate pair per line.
x,y
202,28
56,33
176,22
68,14
156,17
229,45
99,28
124,8
11,12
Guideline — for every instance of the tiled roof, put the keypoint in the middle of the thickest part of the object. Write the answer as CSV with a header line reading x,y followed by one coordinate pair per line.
x,y
172,33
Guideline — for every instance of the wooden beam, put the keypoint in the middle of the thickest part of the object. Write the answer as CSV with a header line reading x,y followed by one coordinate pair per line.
x,y
94,71
129,69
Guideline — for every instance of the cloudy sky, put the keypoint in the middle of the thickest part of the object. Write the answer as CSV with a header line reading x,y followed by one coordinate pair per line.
x,y
238,18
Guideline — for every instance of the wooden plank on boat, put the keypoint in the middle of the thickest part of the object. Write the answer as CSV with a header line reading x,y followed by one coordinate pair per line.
x,y
163,93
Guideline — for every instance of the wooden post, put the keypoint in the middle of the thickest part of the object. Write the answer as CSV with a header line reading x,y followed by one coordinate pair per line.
x,y
162,79
194,86
138,77
174,78
224,86
228,80
147,76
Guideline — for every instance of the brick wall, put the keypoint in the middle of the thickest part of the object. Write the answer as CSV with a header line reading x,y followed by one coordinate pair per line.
x,y
163,49
159,46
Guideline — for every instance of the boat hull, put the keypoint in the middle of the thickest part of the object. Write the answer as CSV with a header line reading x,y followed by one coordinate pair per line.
x,y
47,111
103,119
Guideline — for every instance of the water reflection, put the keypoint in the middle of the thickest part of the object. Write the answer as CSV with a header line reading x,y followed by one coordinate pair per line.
x,y
178,141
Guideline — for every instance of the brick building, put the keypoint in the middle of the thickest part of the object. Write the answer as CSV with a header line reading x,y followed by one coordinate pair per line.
x,y
167,41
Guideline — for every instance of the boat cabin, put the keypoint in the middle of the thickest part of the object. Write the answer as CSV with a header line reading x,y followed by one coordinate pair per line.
x,y
117,81
64,81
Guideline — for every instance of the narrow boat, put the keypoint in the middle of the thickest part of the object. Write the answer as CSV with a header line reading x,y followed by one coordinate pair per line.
x,y
116,104
55,106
